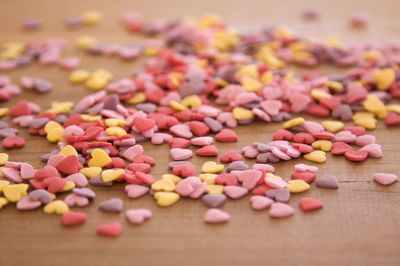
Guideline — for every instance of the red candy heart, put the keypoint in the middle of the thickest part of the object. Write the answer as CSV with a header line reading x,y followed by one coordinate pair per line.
x,y
340,148
303,137
184,170
20,108
112,229
12,142
310,204
179,143
392,119
226,135
208,150
356,156
230,156
331,102
73,218
143,124
283,134
305,176
226,179
69,165
199,128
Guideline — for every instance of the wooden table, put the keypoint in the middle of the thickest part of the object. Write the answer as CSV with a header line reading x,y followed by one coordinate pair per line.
x,y
359,224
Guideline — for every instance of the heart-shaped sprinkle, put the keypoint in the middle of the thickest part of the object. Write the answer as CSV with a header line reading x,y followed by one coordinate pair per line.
x,y
279,194
356,156
40,195
226,135
56,207
230,156
260,202
164,184
235,192
27,204
13,142
211,167
328,181
165,199
340,148
112,229
280,210
250,178
136,191
178,154
133,152
14,193
99,158
214,200
69,165
297,186
71,218
385,178
309,204
74,200
79,179
316,156
113,205
216,216
373,150
138,216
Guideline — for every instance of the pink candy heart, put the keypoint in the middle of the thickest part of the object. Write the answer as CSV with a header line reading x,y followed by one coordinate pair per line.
x,y
132,152
280,210
181,130
178,154
26,204
138,216
73,200
27,171
374,150
365,140
385,178
275,182
215,216
260,202
249,178
136,191
235,192
345,136
305,168
79,179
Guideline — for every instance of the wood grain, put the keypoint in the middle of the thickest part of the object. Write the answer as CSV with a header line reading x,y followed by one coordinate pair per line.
x,y
359,224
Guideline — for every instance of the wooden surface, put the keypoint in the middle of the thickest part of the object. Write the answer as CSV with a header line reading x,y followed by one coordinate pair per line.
x,y
358,226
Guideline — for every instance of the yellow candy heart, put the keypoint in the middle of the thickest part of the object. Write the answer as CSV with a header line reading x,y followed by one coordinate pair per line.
x,y
177,106
332,126
111,174
15,192
3,184
191,101
384,78
215,189
139,97
3,202
374,105
79,76
103,73
393,108
323,145
68,186
240,113
99,158
297,186
96,83
251,84
209,179
115,131
270,175
3,158
165,199
316,156
90,172
3,111
51,125
249,71
113,122
68,150
55,134
61,107
91,17
174,178
211,167
294,122
56,207
90,118
319,94
85,42
163,185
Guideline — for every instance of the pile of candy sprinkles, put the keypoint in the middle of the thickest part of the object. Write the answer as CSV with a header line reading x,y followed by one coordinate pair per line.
x,y
199,80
